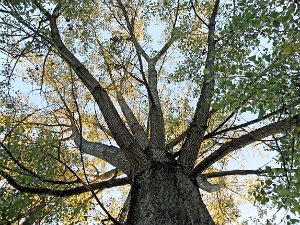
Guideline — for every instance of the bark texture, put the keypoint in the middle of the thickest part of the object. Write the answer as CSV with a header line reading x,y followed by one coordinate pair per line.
x,y
163,194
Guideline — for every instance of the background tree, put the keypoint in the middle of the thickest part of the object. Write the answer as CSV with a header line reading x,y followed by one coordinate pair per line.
x,y
157,120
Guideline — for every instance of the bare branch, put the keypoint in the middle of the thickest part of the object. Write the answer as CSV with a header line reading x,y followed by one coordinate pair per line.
x,y
176,140
120,133
216,132
232,173
206,185
238,172
256,135
197,15
130,28
140,51
165,48
198,126
111,154
64,192
109,174
124,211
32,173
171,40
136,128
156,120
157,132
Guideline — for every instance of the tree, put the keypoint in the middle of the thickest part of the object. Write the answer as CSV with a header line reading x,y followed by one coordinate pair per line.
x,y
164,115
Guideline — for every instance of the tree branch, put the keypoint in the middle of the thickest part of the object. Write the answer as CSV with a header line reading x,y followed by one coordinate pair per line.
x,y
65,192
198,126
124,211
157,132
120,133
197,15
258,134
165,48
130,28
31,172
111,174
216,132
206,185
176,140
135,127
232,172
170,41
111,154
156,120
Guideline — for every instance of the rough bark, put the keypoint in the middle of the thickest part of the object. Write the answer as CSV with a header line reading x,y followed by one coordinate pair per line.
x,y
111,154
157,126
121,134
164,194
198,126
135,127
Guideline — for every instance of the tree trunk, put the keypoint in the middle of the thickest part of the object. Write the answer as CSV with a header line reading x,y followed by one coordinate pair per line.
x,y
163,194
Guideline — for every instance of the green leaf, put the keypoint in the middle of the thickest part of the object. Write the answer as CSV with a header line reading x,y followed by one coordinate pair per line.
x,y
284,191
252,58
262,111
276,23
205,71
249,74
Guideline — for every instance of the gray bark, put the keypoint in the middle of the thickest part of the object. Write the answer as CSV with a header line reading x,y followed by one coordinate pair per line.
x,y
164,194
198,126
157,129
121,134
135,127
111,154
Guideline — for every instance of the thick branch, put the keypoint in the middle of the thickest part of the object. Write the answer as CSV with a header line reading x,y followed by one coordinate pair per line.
x,y
256,135
120,133
156,121
110,154
237,172
232,173
31,215
109,174
135,127
199,124
65,192
157,132
157,126
124,211
206,185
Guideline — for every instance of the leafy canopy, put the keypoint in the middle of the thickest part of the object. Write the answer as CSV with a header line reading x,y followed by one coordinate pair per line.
x,y
256,66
